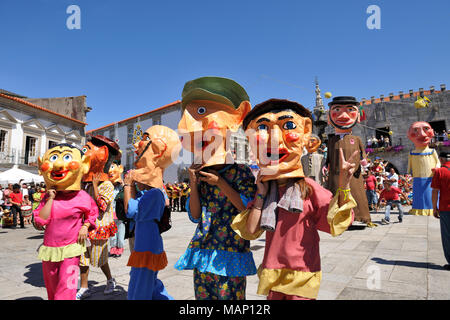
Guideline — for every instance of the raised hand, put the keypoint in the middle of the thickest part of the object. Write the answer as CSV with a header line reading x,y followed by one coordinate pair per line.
x,y
347,168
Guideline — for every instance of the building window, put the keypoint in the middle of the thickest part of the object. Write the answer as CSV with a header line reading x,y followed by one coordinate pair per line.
x,y
130,128
3,136
157,120
52,144
112,136
30,149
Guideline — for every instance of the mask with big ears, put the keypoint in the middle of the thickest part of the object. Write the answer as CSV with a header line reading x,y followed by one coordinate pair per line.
x,y
213,107
158,149
63,167
278,132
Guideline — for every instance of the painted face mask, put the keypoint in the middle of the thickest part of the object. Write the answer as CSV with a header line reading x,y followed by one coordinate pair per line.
x,y
278,132
420,133
115,172
344,114
63,167
212,108
158,149
102,151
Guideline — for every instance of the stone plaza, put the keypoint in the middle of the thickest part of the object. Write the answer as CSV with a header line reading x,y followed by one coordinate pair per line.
x,y
399,261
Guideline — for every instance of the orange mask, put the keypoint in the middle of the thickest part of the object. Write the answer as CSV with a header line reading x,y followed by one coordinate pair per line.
x,y
158,149
63,168
420,133
277,140
99,157
205,127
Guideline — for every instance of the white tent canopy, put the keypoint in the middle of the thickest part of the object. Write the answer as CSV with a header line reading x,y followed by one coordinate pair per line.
x,y
14,175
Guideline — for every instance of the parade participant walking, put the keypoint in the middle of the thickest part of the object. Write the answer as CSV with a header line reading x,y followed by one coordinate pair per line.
x,y
421,161
344,114
391,195
102,151
288,206
117,241
220,259
147,208
441,190
67,213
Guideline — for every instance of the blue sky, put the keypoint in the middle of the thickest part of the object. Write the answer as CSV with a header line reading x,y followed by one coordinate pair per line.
x,y
133,56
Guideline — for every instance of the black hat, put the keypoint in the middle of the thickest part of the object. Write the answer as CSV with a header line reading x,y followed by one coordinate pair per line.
x,y
275,105
344,100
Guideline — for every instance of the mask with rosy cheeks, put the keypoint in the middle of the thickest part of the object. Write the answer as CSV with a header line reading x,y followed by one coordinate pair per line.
x,y
213,107
205,126
115,173
420,133
278,138
343,117
157,150
63,168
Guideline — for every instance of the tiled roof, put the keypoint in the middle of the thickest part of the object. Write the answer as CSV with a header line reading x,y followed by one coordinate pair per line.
x,y
39,108
136,116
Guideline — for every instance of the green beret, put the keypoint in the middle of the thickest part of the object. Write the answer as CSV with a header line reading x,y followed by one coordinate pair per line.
x,y
222,90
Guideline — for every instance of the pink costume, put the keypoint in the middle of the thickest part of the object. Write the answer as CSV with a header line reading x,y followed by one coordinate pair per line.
x,y
291,265
60,252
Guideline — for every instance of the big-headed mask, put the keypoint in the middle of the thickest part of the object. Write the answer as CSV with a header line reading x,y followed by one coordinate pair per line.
x,y
278,131
213,107
115,172
344,114
102,151
63,167
420,133
158,149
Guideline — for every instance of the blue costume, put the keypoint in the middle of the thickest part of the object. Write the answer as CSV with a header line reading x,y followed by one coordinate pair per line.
x,y
149,256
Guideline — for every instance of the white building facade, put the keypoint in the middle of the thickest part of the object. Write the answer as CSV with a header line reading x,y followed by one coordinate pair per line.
x,y
27,130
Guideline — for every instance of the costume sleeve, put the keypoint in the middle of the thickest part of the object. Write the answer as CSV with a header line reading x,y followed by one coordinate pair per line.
x,y
151,206
245,181
329,216
37,219
189,212
132,208
91,213
239,225
435,182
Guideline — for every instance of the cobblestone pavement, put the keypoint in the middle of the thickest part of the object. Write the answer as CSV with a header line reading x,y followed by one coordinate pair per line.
x,y
396,261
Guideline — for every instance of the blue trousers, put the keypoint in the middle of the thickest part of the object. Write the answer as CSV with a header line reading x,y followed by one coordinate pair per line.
x,y
445,233
389,205
144,285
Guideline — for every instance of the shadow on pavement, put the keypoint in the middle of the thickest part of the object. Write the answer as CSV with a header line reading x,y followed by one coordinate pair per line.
x,y
30,298
40,236
34,275
413,264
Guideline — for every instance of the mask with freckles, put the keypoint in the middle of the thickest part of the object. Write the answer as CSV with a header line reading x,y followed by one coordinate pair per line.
x,y
157,150
63,167
420,133
278,131
212,108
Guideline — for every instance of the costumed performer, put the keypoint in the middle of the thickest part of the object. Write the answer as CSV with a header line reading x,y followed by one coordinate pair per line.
x,y
290,207
343,115
145,207
421,161
117,241
67,213
102,152
214,107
